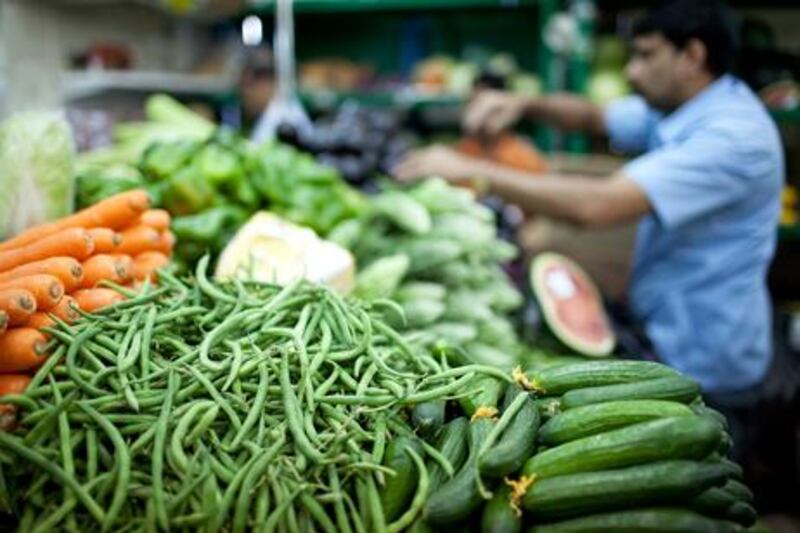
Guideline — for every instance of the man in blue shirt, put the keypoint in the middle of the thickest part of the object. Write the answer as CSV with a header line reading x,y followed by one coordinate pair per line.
x,y
706,190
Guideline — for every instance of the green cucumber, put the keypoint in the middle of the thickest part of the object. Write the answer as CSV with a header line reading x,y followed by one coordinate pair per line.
x,y
554,381
677,389
656,440
399,488
658,483
735,471
704,410
452,443
484,391
517,442
548,407
714,501
738,490
428,417
742,513
597,418
458,498
640,520
498,515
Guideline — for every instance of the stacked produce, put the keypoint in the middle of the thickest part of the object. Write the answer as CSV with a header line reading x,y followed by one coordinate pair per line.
x,y
435,250
51,271
213,180
225,406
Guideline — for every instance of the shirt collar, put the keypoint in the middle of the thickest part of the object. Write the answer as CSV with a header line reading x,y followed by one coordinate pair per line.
x,y
670,126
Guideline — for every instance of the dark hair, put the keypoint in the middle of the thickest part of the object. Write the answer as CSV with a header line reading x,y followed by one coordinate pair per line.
x,y
708,21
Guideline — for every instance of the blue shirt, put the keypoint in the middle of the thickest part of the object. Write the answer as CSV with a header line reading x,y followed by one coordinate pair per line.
x,y
712,171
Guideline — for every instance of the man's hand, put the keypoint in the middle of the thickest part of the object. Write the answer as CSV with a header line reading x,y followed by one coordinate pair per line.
x,y
437,160
490,112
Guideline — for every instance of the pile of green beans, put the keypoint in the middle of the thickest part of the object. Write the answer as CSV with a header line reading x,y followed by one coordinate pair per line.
x,y
199,405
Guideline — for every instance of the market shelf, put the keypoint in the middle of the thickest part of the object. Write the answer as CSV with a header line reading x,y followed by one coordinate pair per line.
x,y
786,116
405,99
77,85
322,6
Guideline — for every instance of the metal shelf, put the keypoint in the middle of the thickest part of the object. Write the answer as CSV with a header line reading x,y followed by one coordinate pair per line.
x,y
328,6
77,85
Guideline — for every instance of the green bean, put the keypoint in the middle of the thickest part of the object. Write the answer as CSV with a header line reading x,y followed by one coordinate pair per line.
x,y
375,507
280,510
420,497
358,523
91,453
262,507
318,513
238,358
258,467
16,445
214,393
206,286
294,416
181,428
159,442
72,369
257,407
44,370
379,446
203,424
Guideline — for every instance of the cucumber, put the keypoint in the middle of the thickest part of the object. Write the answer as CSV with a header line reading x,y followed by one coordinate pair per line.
x,y
548,407
734,470
658,483
597,418
677,389
428,417
498,515
554,381
640,520
399,488
657,440
738,490
714,501
452,443
484,391
704,410
742,513
458,498
725,444
516,444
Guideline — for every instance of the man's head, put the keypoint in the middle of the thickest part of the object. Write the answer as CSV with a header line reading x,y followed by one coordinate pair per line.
x,y
680,48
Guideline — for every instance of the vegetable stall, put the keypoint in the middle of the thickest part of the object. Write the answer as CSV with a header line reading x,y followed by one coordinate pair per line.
x,y
142,392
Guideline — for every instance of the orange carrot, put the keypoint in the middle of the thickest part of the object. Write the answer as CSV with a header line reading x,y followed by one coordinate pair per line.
x,y
66,310
74,242
21,349
101,267
139,239
91,300
47,290
39,320
18,304
116,212
13,383
106,240
3,321
166,242
146,264
156,218
67,269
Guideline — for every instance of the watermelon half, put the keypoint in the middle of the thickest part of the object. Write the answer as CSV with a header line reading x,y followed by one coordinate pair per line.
x,y
571,305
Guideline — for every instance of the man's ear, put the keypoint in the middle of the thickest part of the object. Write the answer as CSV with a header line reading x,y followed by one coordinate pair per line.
x,y
697,53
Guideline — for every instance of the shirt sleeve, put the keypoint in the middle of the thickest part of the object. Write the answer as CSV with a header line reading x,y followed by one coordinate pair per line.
x,y
629,124
693,178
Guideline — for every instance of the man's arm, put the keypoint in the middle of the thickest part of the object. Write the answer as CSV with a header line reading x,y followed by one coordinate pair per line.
x,y
581,200
491,112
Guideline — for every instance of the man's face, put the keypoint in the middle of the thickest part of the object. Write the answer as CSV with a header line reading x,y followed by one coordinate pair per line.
x,y
658,70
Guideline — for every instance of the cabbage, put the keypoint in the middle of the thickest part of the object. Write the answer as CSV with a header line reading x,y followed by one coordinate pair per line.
x,y
37,156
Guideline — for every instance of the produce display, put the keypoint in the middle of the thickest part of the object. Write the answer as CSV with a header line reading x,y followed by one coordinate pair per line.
x,y
435,250
213,180
507,149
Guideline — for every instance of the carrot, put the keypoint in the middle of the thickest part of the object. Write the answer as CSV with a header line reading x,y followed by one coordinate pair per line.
x,y
139,239
519,153
67,269
66,310
39,320
91,300
471,146
156,218
74,242
22,349
101,267
3,321
47,290
106,240
13,383
116,212
146,264
166,242
18,305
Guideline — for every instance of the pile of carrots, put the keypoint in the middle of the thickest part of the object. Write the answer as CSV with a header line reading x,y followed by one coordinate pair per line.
x,y
56,269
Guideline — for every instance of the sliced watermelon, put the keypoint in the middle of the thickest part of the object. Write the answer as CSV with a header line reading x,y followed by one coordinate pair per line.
x,y
571,305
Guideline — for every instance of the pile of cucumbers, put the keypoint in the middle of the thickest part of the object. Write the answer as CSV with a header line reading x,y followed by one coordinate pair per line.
x,y
585,447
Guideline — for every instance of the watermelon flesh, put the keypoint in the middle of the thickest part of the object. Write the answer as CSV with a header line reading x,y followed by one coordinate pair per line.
x,y
571,305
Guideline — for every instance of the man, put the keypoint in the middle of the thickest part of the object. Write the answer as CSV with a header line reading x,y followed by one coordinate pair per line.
x,y
706,190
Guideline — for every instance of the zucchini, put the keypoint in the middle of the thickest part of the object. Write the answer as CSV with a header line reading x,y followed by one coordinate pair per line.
x,y
517,442
598,418
554,381
738,490
657,440
640,520
399,489
742,513
676,389
452,443
658,483
498,515
428,417
458,498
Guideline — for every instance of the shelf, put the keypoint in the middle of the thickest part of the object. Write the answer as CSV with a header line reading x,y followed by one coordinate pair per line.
x,y
77,85
328,6
786,233
404,98
786,116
